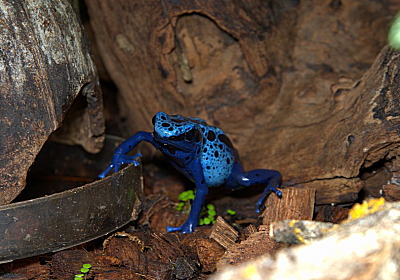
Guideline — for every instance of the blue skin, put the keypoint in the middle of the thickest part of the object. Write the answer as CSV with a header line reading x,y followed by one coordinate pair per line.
x,y
203,153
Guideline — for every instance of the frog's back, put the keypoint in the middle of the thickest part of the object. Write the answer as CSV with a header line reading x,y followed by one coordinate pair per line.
x,y
218,156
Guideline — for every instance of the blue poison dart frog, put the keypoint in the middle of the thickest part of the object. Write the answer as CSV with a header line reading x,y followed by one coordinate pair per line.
x,y
203,153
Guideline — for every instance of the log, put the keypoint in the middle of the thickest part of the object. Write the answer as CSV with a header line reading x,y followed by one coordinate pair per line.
x,y
45,64
293,83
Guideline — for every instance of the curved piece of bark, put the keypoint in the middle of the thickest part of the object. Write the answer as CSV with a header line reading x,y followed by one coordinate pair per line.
x,y
286,80
44,63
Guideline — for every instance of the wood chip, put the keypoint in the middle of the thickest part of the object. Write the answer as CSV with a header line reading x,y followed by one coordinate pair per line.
x,y
391,192
247,231
259,243
223,233
331,214
295,203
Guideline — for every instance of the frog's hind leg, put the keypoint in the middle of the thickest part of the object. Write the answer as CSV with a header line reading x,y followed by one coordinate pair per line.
x,y
242,179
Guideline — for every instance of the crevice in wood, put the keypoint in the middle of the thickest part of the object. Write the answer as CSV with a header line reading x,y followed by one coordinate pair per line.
x,y
290,184
363,174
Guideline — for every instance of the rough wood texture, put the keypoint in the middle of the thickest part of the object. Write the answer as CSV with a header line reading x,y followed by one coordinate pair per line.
x,y
207,249
45,62
391,192
161,214
256,245
160,256
223,233
366,248
297,204
287,80
26,269
331,214
152,254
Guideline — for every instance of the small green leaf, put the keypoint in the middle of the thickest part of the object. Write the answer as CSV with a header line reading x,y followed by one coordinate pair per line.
x,y
210,207
180,206
394,33
187,195
191,195
84,270
231,212
87,265
212,213
182,196
79,275
77,278
201,222
207,221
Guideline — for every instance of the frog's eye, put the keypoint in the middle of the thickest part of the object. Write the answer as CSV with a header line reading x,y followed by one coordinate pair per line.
x,y
192,134
177,138
189,136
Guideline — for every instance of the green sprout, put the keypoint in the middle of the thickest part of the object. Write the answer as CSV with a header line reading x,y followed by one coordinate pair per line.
x,y
186,196
208,213
185,199
180,206
394,33
85,269
231,212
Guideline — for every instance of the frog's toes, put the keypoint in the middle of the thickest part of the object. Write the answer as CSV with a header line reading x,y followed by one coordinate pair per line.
x,y
173,229
267,190
182,229
130,159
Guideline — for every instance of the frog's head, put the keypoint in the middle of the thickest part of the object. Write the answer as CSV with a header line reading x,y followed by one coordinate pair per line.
x,y
175,133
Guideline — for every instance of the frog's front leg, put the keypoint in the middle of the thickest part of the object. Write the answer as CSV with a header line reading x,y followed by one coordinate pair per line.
x,y
120,155
240,178
201,193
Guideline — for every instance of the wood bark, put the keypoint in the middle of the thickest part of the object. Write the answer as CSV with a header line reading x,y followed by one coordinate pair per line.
x,y
296,204
295,84
365,248
162,256
223,233
256,245
45,64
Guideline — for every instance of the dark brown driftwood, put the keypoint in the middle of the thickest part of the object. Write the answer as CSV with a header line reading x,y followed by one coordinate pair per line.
x,y
287,80
45,63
